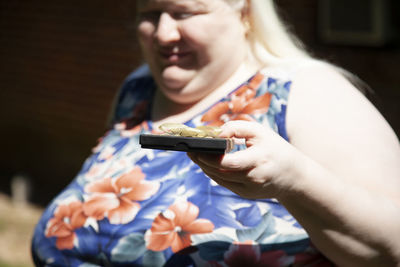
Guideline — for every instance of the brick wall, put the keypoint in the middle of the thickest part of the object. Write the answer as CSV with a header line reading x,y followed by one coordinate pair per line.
x,y
379,67
62,61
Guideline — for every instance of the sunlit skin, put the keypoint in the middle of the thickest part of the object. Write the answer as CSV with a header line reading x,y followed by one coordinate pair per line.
x,y
338,176
310,141
189,49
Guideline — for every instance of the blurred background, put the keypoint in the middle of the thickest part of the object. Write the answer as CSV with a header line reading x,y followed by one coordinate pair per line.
x,y
61,63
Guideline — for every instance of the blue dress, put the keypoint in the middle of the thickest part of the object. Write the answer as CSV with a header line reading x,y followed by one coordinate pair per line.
x,y
140,207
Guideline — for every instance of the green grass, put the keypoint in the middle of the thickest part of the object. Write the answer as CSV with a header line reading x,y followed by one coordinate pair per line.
x,y
6,264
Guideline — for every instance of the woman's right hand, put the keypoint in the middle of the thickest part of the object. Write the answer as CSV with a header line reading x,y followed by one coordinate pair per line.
x,y
263,170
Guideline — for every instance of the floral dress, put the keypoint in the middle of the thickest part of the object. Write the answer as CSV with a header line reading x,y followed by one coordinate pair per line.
x,y
130,206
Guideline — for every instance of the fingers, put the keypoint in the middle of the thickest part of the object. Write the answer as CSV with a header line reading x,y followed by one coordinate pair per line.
x,y
226,181
207,160
238,161
230,176
244,172
233,166
234,182
210,166
241,129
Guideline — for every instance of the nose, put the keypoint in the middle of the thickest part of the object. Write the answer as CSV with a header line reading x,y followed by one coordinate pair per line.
x,y
167,29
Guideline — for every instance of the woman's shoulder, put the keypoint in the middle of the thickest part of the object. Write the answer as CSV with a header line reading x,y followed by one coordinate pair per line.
x,y
289,69
137,87
321,85
137,79
322,92
142,71
306,79
332,121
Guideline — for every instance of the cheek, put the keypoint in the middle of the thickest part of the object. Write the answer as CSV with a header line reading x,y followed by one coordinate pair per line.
x,y
199,31
145,32
195,37
205,35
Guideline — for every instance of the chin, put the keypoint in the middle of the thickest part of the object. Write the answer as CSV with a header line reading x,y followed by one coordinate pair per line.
x,y
181,85
175,77
173,85
182,97
176,86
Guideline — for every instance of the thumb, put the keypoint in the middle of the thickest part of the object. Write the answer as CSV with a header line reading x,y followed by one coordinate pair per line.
x,y
241,129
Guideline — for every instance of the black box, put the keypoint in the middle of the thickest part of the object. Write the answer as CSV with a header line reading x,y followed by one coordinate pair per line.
x,y
187,144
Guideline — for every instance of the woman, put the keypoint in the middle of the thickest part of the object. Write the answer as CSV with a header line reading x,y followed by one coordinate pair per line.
x,y
315,184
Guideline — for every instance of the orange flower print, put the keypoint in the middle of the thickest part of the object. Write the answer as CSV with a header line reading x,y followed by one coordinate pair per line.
x,y
173,227
67,218
116,198
241,104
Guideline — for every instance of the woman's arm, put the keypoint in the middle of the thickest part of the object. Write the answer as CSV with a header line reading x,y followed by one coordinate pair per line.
x,y
340,176
351,225
354,171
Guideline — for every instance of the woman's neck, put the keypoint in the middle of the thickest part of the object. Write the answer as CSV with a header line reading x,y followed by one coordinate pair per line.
x,y
166,110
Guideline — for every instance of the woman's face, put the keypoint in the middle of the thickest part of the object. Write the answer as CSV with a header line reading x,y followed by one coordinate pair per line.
x,y
191,46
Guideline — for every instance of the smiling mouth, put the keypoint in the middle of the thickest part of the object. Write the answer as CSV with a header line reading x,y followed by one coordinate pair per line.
x,y
173,56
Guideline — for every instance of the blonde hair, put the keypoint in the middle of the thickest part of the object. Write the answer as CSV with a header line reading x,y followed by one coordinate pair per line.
x,y
273,44
270,40
269,37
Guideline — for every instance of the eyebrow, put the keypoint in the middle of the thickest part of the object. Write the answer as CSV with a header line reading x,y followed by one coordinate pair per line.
x,y
146,4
